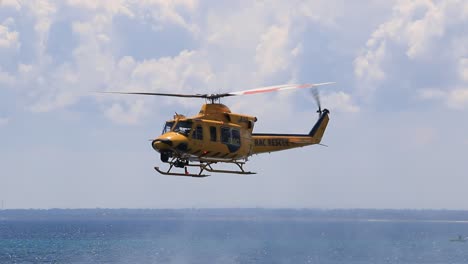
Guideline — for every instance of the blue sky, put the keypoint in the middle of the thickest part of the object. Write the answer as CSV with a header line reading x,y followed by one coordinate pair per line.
x,y
397,136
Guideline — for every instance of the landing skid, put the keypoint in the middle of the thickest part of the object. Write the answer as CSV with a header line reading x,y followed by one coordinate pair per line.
x,y
241,170
168,172
203,166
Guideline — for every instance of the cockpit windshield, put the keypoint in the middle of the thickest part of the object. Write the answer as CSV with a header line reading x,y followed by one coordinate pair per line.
x,y
167,127
183,127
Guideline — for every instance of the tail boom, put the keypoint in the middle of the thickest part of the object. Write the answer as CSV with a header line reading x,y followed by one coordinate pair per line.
x,y
265,142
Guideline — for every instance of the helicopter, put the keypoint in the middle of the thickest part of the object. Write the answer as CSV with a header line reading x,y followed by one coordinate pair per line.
x,y
217,135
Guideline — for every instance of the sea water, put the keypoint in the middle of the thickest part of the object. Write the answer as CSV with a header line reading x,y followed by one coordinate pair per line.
x,y
230,240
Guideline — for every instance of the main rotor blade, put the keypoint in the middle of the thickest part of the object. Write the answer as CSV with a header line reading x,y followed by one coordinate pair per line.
x,y
277,88
164,94
213,97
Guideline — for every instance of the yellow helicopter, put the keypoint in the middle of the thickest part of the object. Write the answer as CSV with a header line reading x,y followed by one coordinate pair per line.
x,y
216,135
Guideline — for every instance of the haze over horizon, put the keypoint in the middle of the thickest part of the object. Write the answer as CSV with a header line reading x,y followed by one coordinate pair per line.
x,y
398,131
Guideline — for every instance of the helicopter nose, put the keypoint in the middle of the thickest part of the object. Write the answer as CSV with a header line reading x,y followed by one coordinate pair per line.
x,y
161,144
170,142
162,141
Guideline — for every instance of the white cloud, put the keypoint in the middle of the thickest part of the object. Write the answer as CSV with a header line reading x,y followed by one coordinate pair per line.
x,y
54,101
95,67
159,11
58,86
258,44
11,3
340,101
43,12
240,56
455,98
272,52
8,39
173,71
132,115
179,74
458,98
24,68
367,67
168,74
108,6
234,51
168,11
420,29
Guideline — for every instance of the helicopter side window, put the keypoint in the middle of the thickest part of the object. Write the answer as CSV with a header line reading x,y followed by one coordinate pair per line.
x,y
167,127
230,136
183,127
235,134
198,133
212,133
225,135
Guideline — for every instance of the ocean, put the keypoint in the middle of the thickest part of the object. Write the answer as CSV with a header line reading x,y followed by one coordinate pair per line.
x,y
232,236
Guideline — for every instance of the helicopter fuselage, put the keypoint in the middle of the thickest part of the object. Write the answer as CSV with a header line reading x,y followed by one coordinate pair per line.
x,y
214,133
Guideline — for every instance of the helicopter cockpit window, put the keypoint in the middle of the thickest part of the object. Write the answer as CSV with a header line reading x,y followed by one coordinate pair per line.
x,y
167,127
198,133
183,127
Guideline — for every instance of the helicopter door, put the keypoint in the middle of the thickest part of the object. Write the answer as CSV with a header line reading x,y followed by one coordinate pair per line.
x,y
231,137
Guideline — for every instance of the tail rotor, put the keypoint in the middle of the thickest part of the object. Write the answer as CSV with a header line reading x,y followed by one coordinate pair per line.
x,y
316,95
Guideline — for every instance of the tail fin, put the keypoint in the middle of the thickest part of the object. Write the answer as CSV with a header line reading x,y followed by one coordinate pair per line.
x,y
319,128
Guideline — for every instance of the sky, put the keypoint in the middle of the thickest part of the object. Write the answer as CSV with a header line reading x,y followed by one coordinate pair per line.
x,y
398,131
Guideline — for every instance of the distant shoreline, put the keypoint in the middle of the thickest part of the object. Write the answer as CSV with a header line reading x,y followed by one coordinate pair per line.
x,y
240,214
